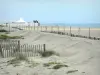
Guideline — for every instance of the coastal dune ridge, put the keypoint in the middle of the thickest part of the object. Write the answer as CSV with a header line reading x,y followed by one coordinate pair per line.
x,y
79,56
84,31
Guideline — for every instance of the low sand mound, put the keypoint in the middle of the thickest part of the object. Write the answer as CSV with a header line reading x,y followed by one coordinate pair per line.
x,y
61,44
78,53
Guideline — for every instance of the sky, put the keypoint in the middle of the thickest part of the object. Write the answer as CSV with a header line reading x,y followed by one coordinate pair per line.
x,y
51,11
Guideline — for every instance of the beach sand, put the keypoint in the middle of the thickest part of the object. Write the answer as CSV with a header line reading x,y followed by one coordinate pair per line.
x,y
84,31
80,54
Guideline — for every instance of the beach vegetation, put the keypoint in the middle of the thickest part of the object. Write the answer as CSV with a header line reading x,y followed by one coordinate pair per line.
x,y
72,71
47,53
58,66
4,36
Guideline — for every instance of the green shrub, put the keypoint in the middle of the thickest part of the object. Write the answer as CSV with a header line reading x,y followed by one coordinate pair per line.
x,y
48,53
10,37
21,57
33,64
18,59
46,65
54,63
71,71
4,36
50,63
98,38
13,61
15,37
58,66
2,30
6,32
1,26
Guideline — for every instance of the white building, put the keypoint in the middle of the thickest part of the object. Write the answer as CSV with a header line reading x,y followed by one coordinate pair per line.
x,y
20,21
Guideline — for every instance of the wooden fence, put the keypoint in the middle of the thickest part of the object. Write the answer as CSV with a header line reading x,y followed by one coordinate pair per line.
x,y
12,48
77,31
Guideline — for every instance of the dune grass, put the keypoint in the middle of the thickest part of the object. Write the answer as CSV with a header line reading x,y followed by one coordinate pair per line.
x,y
18,60
56,65
72,71
1,25
48,53
4,36
2,30
33,64
50,63
22,58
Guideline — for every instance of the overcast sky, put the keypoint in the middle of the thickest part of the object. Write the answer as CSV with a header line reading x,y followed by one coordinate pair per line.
x,y
51,11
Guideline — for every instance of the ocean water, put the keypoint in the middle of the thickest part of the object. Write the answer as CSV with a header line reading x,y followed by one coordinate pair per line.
x,y
93,25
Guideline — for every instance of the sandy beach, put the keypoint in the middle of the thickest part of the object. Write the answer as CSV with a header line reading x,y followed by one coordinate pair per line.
x,y
84,31
80,54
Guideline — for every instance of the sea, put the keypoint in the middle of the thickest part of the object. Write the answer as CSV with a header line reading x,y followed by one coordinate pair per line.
x,y
92,25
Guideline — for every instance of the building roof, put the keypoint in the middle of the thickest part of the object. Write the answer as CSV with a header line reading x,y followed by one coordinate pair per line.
x,y
21,20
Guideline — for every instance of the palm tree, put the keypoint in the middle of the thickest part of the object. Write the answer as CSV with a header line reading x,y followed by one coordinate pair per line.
x,y
34,21
38,22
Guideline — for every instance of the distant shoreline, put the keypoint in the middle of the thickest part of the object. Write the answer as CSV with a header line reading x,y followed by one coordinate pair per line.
x,y
83,26
94,25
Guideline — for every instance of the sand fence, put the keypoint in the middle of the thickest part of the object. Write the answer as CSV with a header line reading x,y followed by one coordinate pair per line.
x,y
12,48
69,30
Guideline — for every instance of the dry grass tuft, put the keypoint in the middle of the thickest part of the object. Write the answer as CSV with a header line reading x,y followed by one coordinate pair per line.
x,y
58,66
18,60
48,53
4,36
72,71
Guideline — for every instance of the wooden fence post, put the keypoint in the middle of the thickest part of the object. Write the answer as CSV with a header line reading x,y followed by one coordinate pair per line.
x,y
9,27
64,29
21,27
34,27
89,32
58,29
79,31
1,49
51,28
46,28
31,27
70,30
41,28
18,26
6,24
18,45
44,47
37,27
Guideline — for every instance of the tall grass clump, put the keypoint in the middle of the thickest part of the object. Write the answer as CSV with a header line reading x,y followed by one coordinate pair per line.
x,y
50,63
48,53
2,30
4,36
58,66
18,59
72,71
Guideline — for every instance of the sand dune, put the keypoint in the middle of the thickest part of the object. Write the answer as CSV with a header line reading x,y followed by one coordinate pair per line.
x,y
79,53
